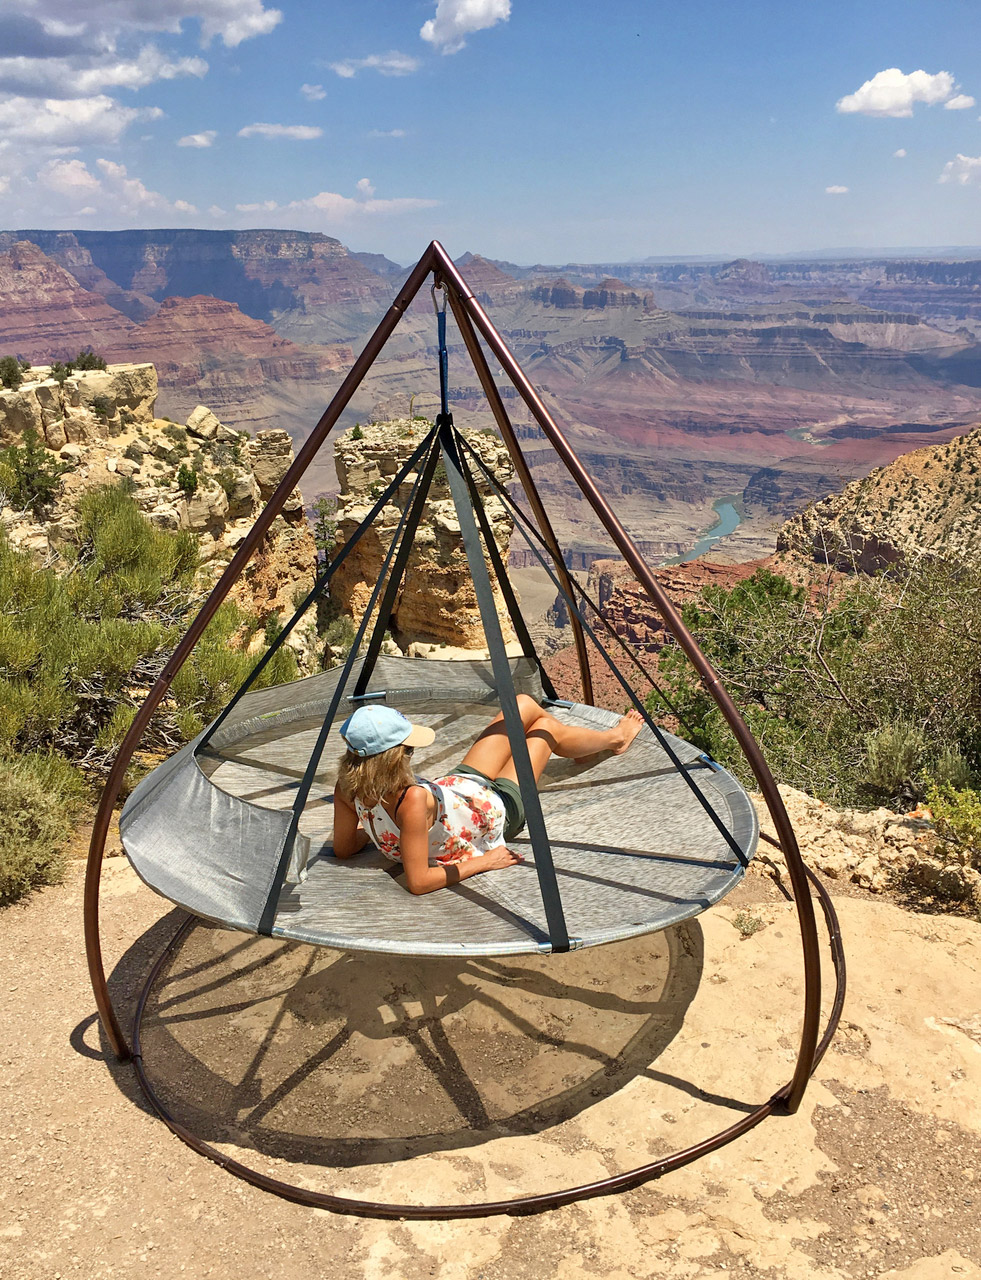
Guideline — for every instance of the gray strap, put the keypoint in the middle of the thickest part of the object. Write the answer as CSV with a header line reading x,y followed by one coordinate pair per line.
x,y
503,678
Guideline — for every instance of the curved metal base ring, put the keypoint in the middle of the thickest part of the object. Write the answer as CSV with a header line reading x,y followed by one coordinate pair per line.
x,y
519,1204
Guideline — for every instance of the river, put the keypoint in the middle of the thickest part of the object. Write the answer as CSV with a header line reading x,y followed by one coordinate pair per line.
x,y
728,522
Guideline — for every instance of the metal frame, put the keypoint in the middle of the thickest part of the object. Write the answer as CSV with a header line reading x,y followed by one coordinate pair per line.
x,y
473,320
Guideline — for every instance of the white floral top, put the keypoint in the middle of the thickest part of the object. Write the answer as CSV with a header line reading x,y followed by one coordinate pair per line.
x,y
469,820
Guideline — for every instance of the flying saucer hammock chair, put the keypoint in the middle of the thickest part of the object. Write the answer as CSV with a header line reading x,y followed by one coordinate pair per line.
x,y
227,827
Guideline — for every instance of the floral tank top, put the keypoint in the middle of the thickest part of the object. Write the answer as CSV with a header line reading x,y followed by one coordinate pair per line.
x,y
469,820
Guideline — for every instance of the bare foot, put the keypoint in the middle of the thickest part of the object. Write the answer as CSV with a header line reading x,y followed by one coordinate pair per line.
x,y
619,738
628,728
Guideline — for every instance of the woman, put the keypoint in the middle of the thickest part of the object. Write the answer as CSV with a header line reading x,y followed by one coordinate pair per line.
x,y
459,825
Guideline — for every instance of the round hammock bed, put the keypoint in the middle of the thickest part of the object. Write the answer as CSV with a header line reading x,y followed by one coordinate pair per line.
x,y
237,826
633,850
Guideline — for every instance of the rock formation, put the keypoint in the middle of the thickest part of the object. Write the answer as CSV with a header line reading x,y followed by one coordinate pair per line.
x,y
437,604
927,502
201,476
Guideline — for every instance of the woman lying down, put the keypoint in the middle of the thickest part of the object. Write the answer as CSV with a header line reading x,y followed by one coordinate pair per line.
x,y
458,825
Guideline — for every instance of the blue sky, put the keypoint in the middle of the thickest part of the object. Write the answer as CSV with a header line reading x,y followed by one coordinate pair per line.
x,y
530,130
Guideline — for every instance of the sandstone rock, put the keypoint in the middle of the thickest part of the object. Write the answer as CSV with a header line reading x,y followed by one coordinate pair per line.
x,y
205,508
243,495
165,516
436,604
203,423
270,455
19,412
54,434
226,435
71,452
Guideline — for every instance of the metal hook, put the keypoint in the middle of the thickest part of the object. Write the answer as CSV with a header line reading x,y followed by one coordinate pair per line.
x,y
440,310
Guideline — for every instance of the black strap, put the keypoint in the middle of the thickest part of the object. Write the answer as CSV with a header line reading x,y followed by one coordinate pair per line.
x,y
398,802
655,729
318,588
268,917
503,678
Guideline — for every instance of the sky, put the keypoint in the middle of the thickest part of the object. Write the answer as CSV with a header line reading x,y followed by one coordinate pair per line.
x,y
528,130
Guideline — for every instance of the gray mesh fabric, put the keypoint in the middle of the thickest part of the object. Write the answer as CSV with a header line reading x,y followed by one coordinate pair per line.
x,y
633,848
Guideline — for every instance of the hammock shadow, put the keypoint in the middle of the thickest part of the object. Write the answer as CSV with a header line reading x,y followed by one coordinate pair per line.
x,y
345,1059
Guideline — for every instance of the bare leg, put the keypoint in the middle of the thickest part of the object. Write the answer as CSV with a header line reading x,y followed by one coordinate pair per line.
x,y
546,736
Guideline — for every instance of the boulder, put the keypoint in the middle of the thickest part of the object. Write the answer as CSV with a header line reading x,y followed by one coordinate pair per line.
x,y
19,410
243,495
206,508
203,423
270,456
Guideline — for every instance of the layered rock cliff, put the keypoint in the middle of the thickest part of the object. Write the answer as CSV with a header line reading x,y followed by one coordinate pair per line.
x,y
436,604
927,502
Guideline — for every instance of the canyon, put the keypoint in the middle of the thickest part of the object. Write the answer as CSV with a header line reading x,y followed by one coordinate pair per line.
x,y
768,385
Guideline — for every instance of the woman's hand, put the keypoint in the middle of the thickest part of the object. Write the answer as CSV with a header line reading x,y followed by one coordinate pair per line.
x,y
499,858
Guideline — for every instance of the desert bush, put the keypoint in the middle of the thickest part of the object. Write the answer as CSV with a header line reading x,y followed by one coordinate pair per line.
x,y
858,697
11,374
957,815
87,359
79,650
29,476
38,798
103,408
187,480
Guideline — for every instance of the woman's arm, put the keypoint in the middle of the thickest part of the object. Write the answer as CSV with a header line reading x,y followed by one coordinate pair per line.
x,y
413,820
349,838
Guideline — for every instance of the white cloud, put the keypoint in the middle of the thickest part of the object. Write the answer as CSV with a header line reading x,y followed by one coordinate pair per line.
x,y
68,178
836,191
900,154
386,64
299,132
456,19
962,170
203,139
68,123
87,73
230,20
313,92
216,211
893,93
328,207
962,102
182,206
386,133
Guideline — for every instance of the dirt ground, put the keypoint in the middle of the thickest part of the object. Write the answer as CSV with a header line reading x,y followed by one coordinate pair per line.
x,y
420,1082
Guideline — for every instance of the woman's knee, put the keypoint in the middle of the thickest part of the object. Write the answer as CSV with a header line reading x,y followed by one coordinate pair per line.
x,y
529,710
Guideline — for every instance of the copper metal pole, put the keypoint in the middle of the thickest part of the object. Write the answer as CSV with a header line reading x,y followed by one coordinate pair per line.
x,y
523,473
754,756
114,782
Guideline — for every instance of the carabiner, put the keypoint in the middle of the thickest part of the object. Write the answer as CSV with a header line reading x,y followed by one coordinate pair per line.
x,y
440,310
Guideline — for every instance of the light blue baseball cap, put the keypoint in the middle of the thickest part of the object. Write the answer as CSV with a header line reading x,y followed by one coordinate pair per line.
x,y
373,729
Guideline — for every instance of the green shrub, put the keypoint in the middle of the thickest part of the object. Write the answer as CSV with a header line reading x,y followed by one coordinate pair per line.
x,y
103,408
187,480
134,453
356,432
29,475
87,359
38,799
857,697
957,815
11,375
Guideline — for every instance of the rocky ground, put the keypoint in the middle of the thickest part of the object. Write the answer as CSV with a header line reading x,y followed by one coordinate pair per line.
x,y
393,1080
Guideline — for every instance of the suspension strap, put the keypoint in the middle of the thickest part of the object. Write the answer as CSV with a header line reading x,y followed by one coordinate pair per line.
x,y
551,899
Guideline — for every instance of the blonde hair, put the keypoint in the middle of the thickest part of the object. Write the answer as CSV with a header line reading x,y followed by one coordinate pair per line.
x,y
368,778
